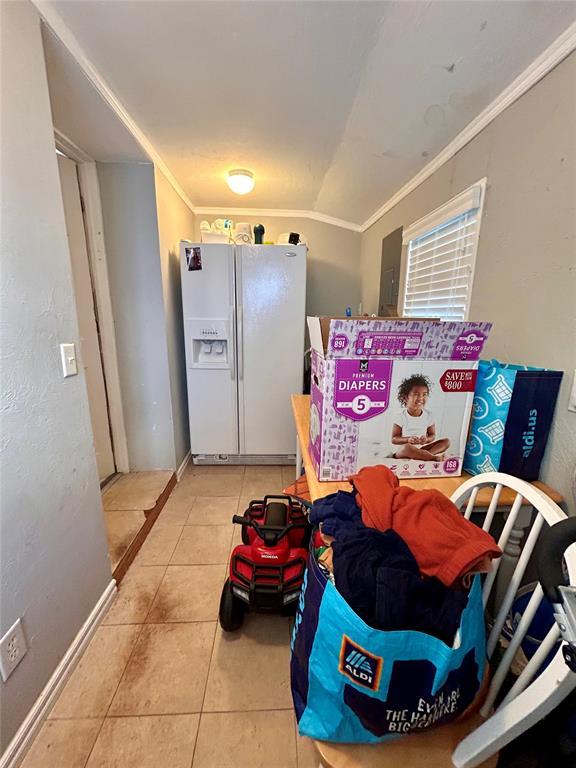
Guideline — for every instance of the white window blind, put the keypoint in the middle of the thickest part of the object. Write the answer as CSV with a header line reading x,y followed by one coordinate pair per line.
x,y
440,259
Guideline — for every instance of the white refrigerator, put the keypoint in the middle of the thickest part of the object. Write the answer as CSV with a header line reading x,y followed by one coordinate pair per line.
x,y
244,318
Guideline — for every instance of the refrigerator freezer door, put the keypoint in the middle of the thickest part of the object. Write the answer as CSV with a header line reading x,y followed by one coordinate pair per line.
x,y
271,294
210,331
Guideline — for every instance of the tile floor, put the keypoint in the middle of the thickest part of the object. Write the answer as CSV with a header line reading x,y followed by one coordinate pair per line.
x,y
160,685
127,501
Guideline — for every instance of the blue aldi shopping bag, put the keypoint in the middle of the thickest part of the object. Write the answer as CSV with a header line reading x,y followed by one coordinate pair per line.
x,y
511,419
352,683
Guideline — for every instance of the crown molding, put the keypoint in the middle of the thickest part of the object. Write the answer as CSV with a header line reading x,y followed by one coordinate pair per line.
x,y
558,50
539,68
71,150
54,21
278,213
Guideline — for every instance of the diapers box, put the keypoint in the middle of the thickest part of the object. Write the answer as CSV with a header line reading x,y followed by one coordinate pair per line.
x,y
391,391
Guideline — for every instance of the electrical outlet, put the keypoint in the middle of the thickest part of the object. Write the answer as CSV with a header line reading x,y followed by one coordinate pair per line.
x,y
12,649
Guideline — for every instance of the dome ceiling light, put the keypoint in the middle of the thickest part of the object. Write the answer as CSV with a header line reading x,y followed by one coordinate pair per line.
x,y
240,181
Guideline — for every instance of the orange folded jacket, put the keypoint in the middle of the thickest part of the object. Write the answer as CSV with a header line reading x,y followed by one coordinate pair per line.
x,y
444,543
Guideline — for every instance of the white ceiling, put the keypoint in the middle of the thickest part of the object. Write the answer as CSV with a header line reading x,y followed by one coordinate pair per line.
x,y
333,105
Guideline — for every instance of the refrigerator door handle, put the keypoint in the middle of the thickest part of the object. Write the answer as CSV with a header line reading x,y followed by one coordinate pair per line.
x,y
231,344
240,322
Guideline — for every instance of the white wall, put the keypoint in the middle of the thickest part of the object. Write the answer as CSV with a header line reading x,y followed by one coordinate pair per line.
x,y
54,559
334,278
525,280
128,199
175,223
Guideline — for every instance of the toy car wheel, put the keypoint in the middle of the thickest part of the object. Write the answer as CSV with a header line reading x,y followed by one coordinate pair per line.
x,y
232,609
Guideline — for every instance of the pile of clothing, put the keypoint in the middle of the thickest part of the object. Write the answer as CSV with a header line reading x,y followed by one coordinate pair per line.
x,y
402,559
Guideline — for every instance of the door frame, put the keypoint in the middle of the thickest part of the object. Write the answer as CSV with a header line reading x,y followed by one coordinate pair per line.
x,y
93,224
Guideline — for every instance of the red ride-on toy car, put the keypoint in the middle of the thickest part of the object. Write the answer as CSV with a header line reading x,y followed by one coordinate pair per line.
x,y
266,571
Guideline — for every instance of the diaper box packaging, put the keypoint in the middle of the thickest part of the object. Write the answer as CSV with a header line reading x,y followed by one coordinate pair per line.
x,y
389,391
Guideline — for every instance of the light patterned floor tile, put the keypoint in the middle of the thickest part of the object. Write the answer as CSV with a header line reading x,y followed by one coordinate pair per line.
x,y
214,469
181,491
176,509
91,686
308,756
135,595
250,669
189,593
167,671
203,545
137,490
213,484
236,537
145,742
262,470
212,510
159,546
288,475
63,744
122,526
156,683
243,502
258,487
246,740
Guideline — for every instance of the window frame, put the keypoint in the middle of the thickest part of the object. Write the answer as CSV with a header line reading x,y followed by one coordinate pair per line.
x,y
471,198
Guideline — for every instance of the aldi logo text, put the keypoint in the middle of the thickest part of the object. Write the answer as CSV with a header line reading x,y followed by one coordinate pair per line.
x,y
362,667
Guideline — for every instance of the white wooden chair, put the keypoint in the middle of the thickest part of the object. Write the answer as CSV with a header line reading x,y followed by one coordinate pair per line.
x,y
476,740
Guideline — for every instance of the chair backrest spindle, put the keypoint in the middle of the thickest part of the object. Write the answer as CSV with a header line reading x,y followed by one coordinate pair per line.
x,y
507,659
538,689
534,664
514,585
502,541
492,508
471,502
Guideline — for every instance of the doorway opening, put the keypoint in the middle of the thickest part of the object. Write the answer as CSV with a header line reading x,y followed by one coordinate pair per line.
x,y
88,325
131,501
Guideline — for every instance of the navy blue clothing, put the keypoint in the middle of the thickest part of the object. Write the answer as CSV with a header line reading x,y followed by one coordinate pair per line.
x,y
337,512
379,578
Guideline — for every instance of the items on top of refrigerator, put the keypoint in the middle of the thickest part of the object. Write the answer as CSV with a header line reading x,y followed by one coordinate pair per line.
x,y
259,234
218,232
292,238
242,234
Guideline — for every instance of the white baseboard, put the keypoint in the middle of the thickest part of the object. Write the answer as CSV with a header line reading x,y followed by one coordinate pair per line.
x,y
180,471
21,742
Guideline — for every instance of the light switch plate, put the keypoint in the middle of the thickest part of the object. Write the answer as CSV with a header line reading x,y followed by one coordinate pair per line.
x,y
69,363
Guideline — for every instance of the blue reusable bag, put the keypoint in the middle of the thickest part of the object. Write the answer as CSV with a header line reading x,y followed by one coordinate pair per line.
x,y
352,683
511,418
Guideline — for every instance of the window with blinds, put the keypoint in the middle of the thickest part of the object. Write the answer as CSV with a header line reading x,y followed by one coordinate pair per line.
x,y
441,250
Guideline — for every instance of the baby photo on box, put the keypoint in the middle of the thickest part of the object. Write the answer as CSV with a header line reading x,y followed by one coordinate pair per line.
x,y
424,420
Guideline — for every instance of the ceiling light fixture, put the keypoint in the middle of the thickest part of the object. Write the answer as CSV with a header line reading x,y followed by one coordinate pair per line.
x,y
241,181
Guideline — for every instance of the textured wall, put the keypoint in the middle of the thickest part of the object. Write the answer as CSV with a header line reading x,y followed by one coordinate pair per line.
x,y
53,556
132,249
525,278
175,223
